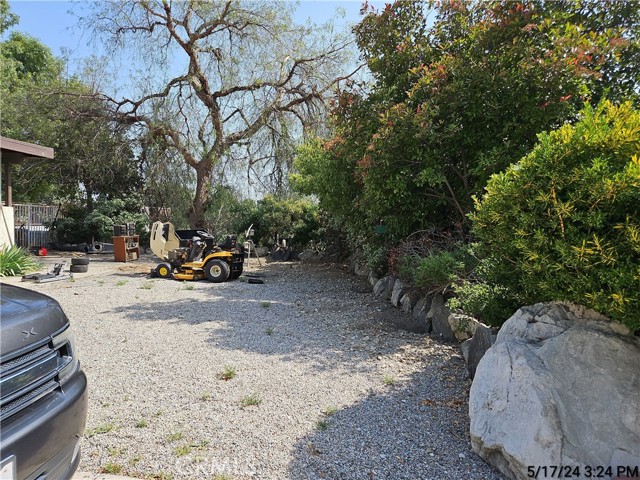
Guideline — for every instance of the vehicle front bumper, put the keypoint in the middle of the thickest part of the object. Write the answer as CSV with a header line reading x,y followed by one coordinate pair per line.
x,y
44,438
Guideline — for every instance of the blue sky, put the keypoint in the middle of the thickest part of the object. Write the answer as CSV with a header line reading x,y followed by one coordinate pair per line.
x,y
54,24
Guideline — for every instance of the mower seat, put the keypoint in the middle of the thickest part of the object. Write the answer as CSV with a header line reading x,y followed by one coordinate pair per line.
x,y
196,250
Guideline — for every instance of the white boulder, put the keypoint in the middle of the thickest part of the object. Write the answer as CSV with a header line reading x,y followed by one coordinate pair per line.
x,y
561,386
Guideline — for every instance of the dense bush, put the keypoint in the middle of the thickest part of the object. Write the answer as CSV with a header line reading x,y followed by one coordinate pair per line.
x,y
564,222
15,261
459,91
79,225
439,269
295,219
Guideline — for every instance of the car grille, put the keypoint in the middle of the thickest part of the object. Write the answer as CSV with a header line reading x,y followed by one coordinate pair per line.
x,y
26,379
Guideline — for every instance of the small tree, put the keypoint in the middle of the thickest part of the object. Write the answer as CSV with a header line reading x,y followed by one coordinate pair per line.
x,y
38,104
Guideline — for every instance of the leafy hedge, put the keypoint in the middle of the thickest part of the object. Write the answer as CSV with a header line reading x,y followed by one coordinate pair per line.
x,y
79,225
564,222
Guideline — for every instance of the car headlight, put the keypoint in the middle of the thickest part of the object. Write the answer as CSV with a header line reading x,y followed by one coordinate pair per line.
x,y
67,357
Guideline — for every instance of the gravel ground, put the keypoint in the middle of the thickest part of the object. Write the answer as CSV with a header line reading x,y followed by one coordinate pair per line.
x,y
323,387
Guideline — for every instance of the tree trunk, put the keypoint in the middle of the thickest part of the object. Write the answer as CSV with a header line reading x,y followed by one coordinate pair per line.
x,y
199,205
89,200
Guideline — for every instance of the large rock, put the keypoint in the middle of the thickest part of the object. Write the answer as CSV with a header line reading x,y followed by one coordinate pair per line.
x,y
420,311
384,286
361,269
308,255
373,278
439,317
409,300
559,387
474,349
398,291
463,326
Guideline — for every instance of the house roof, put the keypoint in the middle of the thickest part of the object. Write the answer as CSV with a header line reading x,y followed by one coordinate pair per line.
x,y
15,150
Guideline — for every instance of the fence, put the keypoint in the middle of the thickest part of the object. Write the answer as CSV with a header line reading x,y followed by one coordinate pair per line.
x,y
32,224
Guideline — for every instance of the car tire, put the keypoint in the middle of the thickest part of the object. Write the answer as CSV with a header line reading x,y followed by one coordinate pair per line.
x,y
80,261
216,271
79,268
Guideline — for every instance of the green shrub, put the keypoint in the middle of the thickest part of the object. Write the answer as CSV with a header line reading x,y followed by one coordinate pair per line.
x,y
293,218
79,225
376,257
564,222
439,269
15,261
491,304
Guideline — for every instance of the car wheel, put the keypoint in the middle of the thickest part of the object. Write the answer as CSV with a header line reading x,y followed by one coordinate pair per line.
x,y
79,268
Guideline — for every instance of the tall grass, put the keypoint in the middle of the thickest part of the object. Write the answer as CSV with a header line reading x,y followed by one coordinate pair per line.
x,y
15,261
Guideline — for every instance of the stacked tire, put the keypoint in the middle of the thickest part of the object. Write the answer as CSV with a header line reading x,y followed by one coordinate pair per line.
x,y
79,265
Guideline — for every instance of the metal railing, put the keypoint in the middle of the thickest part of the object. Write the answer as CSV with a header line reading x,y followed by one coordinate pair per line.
x,y
32,224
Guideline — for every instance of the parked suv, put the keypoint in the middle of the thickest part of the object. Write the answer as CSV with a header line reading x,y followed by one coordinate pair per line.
x,y
43,391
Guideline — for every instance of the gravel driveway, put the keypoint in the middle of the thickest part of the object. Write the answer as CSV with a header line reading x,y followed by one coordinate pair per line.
x,y
301,377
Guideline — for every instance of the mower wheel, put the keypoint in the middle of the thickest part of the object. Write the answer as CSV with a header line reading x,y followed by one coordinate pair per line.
x,y
79,268
163,270
216,271
80,261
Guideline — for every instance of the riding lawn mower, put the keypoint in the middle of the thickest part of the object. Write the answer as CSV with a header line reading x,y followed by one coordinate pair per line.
x,y
194,254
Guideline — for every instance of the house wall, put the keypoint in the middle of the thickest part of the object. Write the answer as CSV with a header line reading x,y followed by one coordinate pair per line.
x,y
7,231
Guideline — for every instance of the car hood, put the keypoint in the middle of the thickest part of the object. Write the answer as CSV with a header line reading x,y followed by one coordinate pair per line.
x,y
27,318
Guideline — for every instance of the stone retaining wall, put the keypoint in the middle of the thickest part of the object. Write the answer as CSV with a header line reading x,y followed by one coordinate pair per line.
x,y
429,314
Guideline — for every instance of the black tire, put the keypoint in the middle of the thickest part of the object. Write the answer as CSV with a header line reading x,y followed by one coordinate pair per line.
x,y
163,270
216,271
80,261
79,268
236,274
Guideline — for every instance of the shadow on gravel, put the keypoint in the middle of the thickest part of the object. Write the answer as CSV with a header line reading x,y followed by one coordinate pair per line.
x,y
314,315
415,430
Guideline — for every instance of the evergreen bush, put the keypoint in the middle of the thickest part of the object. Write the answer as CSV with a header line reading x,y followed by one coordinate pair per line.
x,y
564,222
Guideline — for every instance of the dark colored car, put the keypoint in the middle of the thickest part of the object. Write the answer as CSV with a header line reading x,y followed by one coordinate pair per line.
x,y
43,391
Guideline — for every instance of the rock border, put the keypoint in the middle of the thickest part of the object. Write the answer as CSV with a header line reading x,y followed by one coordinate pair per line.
x,y
430,315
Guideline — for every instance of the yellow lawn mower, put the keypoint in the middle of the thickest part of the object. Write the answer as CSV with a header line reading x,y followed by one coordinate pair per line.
x,y
194,254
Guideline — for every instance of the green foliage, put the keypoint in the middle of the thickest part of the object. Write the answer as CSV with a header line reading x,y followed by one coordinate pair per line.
x,y
227,212
295,219
461,91
252,399
80,225
439,269
15,261
41,105
491,304
376,257
28,59
7,18
563,223
320,169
